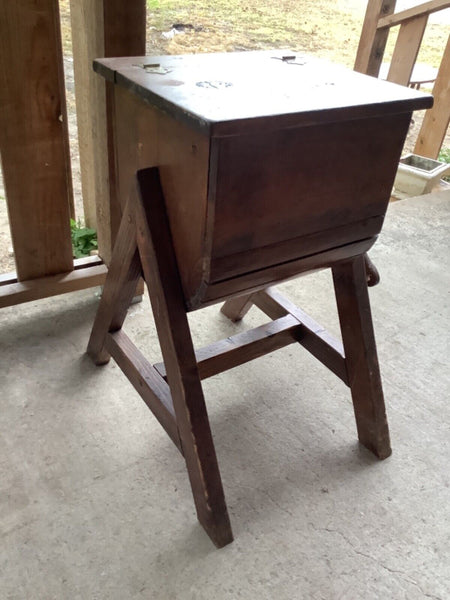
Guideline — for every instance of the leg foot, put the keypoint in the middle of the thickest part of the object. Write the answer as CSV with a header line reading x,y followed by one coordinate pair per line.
x,y
361,355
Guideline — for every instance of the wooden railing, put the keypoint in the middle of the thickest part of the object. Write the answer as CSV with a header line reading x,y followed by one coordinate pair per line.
x,y
379,19
34,141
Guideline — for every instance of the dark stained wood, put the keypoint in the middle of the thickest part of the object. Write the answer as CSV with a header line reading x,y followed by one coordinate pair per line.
x,y
283,251
162,278
361,356
119,288
236,308
147,382
244,347
257,280
321,344
259,190
34,143
239,93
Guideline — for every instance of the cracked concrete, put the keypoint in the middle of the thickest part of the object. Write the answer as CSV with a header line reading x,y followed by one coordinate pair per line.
x,y
95,502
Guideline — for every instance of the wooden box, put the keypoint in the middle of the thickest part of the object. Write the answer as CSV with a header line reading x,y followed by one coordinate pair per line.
x,y
271,165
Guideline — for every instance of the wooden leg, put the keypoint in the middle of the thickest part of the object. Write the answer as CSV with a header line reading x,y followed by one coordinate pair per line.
x,y
119,289
350,283
236,308
162,278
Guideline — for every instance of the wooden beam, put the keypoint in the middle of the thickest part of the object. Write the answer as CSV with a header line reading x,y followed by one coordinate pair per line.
x,y
406,50
427,8
78,263
437,119
34,142
146,381
372,42
35,289
244,347
314,337
101,28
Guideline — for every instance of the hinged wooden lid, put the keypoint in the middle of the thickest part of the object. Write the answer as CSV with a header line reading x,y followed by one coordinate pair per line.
x,y
237,93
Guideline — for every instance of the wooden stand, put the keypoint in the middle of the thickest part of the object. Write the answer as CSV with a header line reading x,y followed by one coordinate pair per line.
x,y
173,390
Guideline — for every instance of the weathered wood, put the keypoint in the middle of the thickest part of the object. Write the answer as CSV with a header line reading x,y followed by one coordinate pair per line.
x,y
53,285
101,28
426,8
166,295
34,142
314,338
372,42
361,355
406,50
244,347
437,119
147,382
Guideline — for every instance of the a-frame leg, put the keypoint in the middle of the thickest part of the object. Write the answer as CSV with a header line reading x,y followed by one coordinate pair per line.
x,y
120,286
162,278
236,308
350,283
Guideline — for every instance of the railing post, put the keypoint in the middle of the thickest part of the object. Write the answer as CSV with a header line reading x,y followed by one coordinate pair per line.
x,y
101,28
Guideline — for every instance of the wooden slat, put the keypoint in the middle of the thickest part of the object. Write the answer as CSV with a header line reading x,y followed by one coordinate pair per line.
x,y
34,143
123,275
372,41
437,119
244,347
78,263
406,50
147,382
427,8
101,28
314,337
44,287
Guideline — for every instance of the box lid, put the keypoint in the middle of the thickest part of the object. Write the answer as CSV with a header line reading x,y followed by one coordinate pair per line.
x,y
237,93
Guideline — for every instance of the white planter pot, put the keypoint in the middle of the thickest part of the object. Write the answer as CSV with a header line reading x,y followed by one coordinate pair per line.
x,y
418,175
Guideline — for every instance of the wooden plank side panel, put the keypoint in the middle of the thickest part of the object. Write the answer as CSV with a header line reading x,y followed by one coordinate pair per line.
x,y
322,180
373,42
34,142
437,119
406,50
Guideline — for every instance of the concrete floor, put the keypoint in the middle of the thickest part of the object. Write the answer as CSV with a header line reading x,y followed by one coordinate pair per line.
x,y
94,499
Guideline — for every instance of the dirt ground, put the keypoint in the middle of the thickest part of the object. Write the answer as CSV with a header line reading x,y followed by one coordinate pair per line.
x,y
326,28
